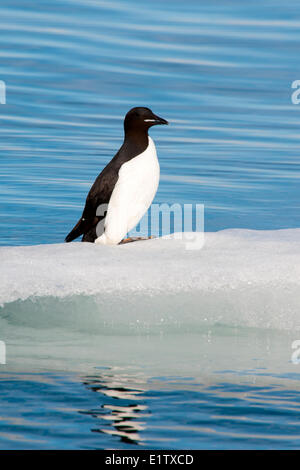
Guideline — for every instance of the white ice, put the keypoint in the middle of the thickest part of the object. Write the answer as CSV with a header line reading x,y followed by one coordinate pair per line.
x,y
239,277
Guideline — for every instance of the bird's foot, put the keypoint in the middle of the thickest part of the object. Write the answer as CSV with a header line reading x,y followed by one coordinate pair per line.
x,y
134,239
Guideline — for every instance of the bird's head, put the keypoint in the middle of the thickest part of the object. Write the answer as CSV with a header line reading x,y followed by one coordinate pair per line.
x,y
141,119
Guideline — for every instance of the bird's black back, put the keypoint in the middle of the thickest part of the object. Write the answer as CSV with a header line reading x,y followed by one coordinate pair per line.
x,y
103,187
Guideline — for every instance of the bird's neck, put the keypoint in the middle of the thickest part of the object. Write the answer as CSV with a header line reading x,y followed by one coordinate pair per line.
x,y
137,139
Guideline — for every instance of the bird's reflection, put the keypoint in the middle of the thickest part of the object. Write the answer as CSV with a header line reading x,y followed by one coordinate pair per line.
x,y
122,410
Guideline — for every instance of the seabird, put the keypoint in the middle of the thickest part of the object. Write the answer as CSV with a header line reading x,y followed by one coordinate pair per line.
x,y
125,188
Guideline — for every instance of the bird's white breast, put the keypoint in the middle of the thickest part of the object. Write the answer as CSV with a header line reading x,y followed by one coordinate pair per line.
x,y
132,195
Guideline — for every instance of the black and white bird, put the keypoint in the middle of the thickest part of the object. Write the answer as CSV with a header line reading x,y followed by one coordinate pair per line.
x,y
125,189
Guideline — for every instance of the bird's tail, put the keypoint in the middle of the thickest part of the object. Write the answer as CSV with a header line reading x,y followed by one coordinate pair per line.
x,y
78,230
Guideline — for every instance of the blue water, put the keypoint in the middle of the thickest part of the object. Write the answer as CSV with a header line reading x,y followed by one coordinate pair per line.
x,y
220,72
57,412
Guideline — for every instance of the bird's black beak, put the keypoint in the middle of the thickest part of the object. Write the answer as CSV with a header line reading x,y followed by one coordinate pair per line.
x,y
154,120
159,120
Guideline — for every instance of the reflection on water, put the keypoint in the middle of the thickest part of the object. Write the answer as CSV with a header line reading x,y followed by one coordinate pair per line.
x,y
185,413
123,416
117,408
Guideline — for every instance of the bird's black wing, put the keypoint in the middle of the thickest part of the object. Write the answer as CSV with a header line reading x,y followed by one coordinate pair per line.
x,y
96,201
102,189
